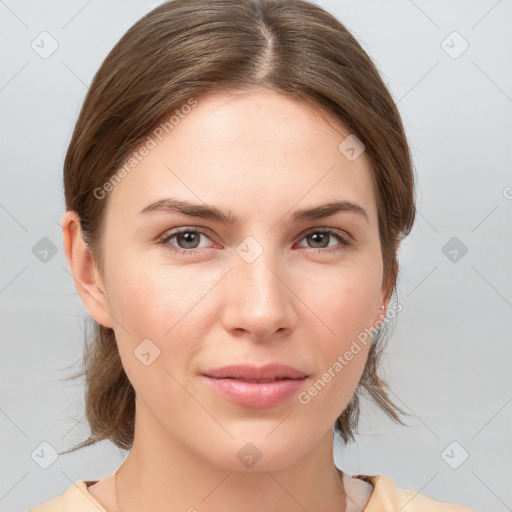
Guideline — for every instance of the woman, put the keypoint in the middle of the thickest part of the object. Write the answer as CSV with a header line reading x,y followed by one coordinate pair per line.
x,y
237,186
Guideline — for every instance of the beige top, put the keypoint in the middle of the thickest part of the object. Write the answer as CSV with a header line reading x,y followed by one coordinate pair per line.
x,y
385,497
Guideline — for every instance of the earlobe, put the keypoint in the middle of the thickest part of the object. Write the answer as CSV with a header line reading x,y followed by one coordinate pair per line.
x,y
83,269
381,313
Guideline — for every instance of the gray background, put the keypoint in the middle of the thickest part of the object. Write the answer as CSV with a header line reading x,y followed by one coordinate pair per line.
x,y
448,361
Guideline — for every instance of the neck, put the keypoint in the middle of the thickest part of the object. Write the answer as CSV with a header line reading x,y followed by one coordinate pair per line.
x,y
165,475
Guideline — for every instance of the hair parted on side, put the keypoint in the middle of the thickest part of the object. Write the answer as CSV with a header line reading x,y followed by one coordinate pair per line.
x,y
185,49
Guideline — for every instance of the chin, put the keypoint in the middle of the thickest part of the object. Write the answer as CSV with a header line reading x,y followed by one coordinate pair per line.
x,y
260,448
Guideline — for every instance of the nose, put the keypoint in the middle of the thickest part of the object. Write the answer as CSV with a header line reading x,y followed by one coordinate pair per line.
x,y
259,299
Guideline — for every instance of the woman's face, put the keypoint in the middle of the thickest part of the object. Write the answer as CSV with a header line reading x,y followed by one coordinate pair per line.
x,y
266,288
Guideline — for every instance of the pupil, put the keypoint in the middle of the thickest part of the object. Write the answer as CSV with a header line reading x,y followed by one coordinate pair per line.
x,y
188,236
322,236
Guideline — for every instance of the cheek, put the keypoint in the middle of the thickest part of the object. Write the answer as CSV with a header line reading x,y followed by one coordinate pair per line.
x,y
340,358
156,301
143,296
345,304
342,302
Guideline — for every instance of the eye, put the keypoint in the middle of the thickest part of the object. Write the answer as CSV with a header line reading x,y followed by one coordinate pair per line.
x,y
321,238
188,239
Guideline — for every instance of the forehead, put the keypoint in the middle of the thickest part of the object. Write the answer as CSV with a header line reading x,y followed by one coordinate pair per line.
x,y
240,149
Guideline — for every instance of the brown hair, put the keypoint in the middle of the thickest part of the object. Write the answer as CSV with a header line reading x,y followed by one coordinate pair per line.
x,y
182,50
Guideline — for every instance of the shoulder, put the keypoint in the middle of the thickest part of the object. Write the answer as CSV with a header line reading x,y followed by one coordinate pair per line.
x,y
387,496
75,499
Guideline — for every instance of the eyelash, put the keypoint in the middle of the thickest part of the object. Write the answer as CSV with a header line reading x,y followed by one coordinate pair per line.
x,y
345,240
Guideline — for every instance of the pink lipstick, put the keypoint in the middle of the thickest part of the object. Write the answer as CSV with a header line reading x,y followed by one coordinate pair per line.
x,y
256,387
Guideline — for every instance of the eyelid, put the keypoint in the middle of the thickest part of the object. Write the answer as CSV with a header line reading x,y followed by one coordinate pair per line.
x,y
340,232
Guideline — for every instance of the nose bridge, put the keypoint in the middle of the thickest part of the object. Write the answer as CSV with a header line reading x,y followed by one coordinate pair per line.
x,y
258,267
257,298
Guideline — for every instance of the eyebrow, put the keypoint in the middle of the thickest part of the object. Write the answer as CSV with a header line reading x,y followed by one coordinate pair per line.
x,y
172,205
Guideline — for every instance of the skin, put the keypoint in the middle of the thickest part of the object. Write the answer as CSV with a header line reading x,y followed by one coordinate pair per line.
x,y
260,155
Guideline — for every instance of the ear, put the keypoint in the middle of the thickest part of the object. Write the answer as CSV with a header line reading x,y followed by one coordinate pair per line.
x,y
381,312
83,269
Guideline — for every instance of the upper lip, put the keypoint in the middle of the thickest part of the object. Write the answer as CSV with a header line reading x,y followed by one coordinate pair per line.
x,y
271,371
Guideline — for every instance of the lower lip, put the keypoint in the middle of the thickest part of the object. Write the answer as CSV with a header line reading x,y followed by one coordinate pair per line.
x,y
259,395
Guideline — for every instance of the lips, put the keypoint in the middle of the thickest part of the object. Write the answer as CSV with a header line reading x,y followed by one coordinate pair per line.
x,y
267,373
254,387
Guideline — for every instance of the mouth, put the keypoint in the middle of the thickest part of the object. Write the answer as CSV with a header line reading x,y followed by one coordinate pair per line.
x,y
254,387
257,380
269,372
